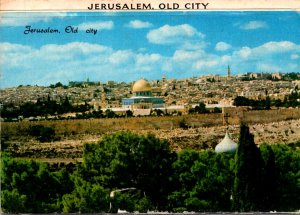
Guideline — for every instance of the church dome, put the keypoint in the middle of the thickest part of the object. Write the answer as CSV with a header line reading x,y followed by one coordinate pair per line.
x,y
141,86
226,145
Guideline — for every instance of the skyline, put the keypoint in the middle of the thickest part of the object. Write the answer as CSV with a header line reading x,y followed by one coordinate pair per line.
x,y
130,45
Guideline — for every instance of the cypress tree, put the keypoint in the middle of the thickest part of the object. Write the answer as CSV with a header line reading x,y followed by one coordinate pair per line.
x,y
270,178
247,188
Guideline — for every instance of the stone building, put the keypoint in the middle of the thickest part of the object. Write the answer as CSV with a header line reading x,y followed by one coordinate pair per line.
x,y
142,97
226,145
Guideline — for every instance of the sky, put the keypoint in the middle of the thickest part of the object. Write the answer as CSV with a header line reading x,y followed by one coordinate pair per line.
x,y
133,45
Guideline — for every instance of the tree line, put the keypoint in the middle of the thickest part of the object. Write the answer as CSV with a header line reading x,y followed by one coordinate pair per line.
x,y
291,100
52,108
141,173
42,108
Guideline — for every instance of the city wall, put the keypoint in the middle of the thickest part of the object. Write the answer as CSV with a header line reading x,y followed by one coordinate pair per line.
x,y
262,116
66,128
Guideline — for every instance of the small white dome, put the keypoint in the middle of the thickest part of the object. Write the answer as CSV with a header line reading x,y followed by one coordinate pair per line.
x,y
226,145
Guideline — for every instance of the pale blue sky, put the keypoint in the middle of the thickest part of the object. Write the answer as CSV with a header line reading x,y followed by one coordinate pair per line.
x,y
131,45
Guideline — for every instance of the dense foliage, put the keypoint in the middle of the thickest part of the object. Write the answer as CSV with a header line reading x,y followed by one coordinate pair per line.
x,y
261,104
49,109
248,181
291,100
283,172
126,160
42,133
42,108
32,187
52,110
140,173
202,180
201,108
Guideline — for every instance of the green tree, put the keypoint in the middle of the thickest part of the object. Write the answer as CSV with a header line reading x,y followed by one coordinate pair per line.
x,y
86,197
132,200
183,179
268,103
110,114
59,84
13,201
241,101
128,113
278,103
123,160
157,112
203,182
217,110
31,186
287,161
270,178
42,133
183,124
66,106
248,189
201,108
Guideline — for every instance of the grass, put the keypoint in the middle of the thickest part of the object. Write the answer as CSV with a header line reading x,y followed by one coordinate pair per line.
x,y
66,128
15,136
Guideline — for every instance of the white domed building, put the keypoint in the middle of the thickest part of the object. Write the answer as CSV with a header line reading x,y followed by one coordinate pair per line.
x,y
142,97
226,145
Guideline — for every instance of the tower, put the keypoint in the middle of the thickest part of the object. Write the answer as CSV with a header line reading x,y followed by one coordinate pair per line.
x,y
228,73
163,80
103,100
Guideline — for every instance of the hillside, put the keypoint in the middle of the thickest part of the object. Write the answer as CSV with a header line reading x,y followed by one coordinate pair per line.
x,y
69,147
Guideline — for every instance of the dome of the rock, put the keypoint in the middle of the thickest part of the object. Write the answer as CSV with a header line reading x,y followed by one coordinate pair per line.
x,y
141,86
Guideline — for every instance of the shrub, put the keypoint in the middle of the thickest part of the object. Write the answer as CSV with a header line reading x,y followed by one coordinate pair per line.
x,y
28,186
42,133
183,124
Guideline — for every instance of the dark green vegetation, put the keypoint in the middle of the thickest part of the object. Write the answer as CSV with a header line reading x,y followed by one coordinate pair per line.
x,y
124,160
28,186
267,76
51,110
248,182
199,109
42,133
42,108
139,173
265,104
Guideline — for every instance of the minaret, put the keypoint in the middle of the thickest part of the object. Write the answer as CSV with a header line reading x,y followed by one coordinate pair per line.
x,y
163,80
228,73
103,100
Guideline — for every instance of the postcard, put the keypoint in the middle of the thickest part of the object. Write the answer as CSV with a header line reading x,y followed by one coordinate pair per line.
x,y
150,106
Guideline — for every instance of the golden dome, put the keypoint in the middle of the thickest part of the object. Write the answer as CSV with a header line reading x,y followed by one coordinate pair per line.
x,y
141,86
